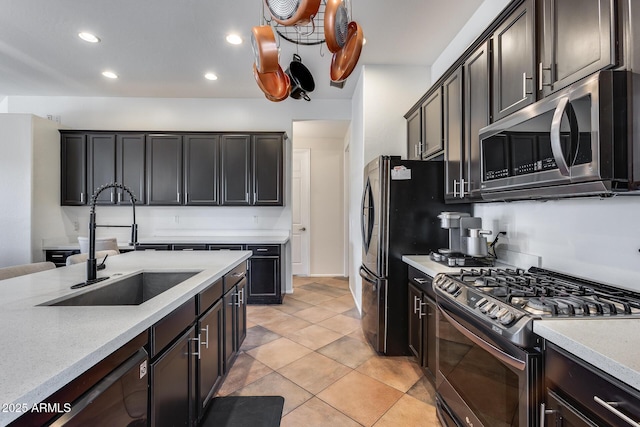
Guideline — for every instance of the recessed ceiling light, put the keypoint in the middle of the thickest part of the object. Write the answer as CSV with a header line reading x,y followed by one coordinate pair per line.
x,y
110,74
234,39
210,76
88,37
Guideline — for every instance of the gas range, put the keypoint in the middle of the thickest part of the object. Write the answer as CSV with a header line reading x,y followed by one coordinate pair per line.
x,y
508,300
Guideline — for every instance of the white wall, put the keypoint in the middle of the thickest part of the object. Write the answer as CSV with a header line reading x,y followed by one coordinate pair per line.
x,y
15,189
182,114
3,104
478,22
390,91
29,187
327,205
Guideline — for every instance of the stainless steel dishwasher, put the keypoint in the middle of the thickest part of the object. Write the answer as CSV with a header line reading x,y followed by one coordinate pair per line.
x,y
119,399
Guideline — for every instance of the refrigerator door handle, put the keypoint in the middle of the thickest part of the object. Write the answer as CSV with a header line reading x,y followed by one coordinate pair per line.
x,y
366,277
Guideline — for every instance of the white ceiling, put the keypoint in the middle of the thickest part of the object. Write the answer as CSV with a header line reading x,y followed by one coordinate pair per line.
x,y
162,48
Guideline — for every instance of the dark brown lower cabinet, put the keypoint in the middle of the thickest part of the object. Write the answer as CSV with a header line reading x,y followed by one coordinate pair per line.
x,y
172,383
210,368
229,302
422,322
264,275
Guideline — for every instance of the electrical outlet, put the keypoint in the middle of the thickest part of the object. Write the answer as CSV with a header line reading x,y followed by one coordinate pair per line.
x,y
76,225
176,219
255,219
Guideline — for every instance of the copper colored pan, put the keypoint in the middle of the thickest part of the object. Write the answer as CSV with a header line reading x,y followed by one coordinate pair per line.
x,y
265,49
344,61
293,12
276,86
336,20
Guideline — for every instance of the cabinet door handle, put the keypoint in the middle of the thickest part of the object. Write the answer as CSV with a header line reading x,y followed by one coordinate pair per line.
x,y
420,280
197,340
178,196
111,196
543,413
206,334
455,186
541,68
241,296
262,250
524,85
611,407
462,188
415,149
81,197
421,313
56,256
238,274
119,197
415,304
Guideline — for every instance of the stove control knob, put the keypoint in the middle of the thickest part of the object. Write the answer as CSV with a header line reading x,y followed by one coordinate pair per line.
x,y
507,318
452,288
481,301
493,313
487,307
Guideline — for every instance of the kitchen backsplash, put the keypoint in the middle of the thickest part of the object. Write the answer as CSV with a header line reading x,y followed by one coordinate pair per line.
x,y
593,238
180,221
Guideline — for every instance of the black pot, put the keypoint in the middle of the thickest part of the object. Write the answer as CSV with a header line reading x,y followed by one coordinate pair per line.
x,y
301,79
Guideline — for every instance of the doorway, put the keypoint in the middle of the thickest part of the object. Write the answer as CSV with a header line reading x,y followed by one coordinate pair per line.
x,y
326,228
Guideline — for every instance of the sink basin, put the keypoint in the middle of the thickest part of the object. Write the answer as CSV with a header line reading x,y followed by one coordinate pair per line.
x,y
132,290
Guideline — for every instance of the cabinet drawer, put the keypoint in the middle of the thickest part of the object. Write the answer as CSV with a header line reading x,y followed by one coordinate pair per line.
x,y
225,247
190,247
59,257
264,249
235,275
153,247
584,384
209,296
167,329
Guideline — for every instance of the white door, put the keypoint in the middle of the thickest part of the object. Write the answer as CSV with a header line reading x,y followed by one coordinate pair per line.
x,y
301,211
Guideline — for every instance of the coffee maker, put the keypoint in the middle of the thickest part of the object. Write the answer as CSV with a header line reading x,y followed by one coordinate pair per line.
x,y
466,236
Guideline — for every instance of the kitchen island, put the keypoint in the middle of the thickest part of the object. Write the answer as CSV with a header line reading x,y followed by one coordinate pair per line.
x,y
46,347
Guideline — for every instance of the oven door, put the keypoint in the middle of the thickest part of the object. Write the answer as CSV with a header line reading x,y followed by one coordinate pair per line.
x,y
481,379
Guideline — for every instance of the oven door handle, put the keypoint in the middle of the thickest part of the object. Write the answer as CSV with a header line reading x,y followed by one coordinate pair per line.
x,y
494,351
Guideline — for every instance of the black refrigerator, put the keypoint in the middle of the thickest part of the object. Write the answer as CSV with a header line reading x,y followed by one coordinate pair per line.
x,y
400,204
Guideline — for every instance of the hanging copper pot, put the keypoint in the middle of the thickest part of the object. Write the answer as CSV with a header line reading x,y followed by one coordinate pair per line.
x,y
336,22
275,86
265,49
344,61
293,12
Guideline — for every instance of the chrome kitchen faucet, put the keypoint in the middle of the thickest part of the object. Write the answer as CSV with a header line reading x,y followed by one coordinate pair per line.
x,y
92,267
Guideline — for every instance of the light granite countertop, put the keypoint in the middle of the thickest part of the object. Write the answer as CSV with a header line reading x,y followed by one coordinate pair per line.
x,y
46,347
612,345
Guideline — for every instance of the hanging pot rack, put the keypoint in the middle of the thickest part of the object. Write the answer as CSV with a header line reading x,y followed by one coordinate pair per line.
x,y
310,32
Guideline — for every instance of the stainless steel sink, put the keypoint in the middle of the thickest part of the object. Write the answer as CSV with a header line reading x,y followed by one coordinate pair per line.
x,y
132,290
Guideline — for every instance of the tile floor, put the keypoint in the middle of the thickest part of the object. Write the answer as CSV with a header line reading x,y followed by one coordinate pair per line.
x,y
311,351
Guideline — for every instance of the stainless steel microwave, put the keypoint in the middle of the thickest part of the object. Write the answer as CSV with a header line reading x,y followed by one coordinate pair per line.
x,y
577,142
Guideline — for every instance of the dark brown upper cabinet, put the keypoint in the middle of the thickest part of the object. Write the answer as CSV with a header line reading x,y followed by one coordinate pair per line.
x,y
453,136
235,165
476,116
131,167
414,134
513,62
201,169
252,170
267,169
101,167
578,39
432,141
73,164
164,175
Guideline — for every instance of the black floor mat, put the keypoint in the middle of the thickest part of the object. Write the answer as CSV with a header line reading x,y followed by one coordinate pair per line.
x,y
244,411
